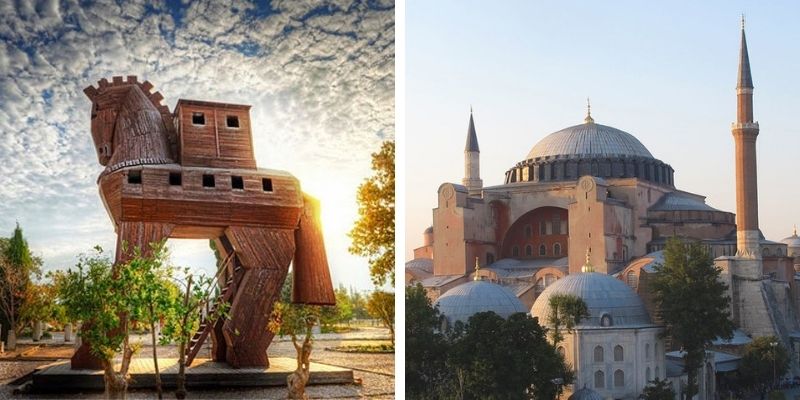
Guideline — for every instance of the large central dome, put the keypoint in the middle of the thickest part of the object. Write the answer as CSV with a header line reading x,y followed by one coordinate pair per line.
x,y
589,139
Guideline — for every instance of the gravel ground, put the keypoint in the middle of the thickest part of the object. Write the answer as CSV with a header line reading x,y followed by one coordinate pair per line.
x,y
375,371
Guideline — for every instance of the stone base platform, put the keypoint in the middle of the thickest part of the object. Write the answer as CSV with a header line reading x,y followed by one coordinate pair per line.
x,y
203,373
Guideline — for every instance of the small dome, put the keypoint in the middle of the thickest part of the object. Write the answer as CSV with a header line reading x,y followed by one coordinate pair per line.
x,y
604,295
429,230
466,300
585,394
589,139
792,241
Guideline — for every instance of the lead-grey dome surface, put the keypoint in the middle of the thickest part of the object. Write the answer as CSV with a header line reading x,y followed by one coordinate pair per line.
x,y
585,394
603,294
589,139
468,299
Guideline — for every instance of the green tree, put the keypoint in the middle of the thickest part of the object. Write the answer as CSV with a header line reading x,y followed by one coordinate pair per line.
x,y
359,304
342,312
157,298
39,304
692,303
507,359
566,311
373,233
187,318
17,265
381,306
658,390
764,360
107,299
296,321
426,347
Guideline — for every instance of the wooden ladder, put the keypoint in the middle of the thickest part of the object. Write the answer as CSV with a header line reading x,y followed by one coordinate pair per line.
x,y
211,303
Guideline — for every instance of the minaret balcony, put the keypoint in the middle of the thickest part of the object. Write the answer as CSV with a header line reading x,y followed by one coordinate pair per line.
x,y
744,125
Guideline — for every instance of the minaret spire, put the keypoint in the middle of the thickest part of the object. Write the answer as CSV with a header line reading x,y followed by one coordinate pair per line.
x,y
745,132
472,170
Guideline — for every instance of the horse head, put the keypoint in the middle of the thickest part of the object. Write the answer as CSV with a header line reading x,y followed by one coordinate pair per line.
x,y
129,124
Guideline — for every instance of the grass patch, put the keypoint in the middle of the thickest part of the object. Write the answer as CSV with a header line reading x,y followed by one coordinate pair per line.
x,y
364,348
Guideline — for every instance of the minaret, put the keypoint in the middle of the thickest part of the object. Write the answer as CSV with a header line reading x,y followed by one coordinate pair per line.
x,y
745,132
472,165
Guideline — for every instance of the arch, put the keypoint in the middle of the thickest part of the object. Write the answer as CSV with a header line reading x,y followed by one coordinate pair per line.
x,y
647,375
766,252
542,250
606,320
599,380
658,375
548,275
539,224
557,249
647,352
598,354
619,378
489,258
528,250
515,251
561,351
619,353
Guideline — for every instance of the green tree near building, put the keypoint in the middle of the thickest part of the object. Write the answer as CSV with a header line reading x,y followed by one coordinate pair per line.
x,y
427,374
658,390
566,311
373,233
764,361
692,302
381,306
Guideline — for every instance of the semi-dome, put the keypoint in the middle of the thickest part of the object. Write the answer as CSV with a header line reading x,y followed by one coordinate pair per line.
x,y
609,300
468,299
589,139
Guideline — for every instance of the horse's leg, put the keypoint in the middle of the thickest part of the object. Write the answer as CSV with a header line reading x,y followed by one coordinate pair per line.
x,y
129,235
265,254
218,346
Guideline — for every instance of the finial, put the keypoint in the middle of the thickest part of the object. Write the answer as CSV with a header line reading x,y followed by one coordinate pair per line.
x,y
587,266
588,119
476,277
794,230
742,21
470,108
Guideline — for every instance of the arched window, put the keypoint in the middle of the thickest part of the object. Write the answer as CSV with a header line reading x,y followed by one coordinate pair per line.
x,y
619,378
542,250
657,373
528,250
605,320
766,251
779,252
647,353
647,375
599,379
624,253
542,228
489,258
556,224
598,354
632,279
556,249
655,356
528,231
515,251
619,353
561,350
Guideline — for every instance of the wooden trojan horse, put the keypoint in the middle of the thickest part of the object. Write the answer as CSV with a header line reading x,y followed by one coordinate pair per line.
x,y
191,174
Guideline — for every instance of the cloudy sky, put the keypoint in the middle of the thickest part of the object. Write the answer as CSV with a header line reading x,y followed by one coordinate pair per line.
x,y
662,71
320,78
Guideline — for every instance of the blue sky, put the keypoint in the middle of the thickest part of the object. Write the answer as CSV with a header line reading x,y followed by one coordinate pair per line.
x,y
662,71
319,75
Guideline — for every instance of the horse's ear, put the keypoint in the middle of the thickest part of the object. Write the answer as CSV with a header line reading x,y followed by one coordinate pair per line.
x,y
90,92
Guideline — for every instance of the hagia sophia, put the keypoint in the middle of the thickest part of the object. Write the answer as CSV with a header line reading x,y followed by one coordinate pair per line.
x,y
587,212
